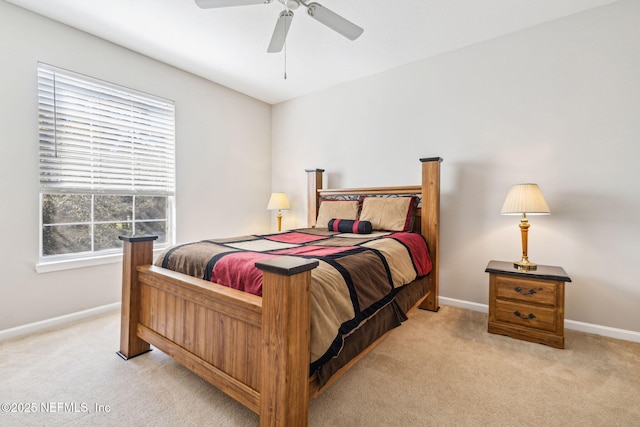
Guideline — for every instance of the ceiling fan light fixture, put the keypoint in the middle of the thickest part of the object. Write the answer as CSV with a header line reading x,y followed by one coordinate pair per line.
x,y
334,21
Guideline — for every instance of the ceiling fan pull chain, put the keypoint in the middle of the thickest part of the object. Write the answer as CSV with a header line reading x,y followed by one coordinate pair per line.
x,y
285,48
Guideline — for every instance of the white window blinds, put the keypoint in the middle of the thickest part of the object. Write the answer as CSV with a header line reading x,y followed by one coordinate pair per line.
x,y
96,137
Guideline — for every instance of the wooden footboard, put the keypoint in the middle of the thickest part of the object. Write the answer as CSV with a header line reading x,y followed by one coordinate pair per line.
x,y
255,349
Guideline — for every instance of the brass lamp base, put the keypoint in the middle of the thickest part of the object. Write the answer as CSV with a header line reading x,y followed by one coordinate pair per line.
x,y
525,265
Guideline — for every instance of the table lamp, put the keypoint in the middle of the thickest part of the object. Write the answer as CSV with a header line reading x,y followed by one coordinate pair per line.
x,y
525,199
278,201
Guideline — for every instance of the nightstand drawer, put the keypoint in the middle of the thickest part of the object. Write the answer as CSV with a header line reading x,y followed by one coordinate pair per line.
x,y
527,290
530,316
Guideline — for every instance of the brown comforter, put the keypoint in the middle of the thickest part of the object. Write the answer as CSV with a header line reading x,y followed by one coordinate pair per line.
x,y
358,274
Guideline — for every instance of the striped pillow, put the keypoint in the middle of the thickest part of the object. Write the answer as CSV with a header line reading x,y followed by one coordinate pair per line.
x,y
350,226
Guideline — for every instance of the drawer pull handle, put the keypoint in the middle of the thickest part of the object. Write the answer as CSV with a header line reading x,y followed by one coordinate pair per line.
x,y
520,315
529,292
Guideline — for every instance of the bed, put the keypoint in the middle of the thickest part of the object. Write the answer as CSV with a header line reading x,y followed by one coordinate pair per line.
x,y
257,347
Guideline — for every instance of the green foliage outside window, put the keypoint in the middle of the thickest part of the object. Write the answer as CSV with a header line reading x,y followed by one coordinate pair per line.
x,y
76,223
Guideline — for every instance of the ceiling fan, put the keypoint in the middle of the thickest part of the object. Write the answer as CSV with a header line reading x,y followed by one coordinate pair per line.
x,y
315,10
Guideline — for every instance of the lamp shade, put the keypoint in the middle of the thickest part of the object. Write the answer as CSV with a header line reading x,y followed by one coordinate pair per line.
x,y
525,198
278,201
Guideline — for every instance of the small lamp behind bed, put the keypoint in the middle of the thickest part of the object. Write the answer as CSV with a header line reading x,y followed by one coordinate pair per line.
x,y
278,201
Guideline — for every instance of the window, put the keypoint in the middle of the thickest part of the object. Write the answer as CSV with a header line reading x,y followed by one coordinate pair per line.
x,y
107,165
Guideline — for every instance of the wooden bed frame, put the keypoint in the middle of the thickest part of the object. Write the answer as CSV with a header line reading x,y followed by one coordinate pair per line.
x,y
255,349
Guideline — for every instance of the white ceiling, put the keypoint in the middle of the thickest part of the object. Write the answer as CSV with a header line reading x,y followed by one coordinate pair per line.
x,y
228,45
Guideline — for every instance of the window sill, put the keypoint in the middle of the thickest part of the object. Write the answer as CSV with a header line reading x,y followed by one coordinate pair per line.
x,y
69,264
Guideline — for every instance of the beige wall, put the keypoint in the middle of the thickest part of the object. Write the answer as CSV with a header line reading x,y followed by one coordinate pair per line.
x,y
221,162
557,104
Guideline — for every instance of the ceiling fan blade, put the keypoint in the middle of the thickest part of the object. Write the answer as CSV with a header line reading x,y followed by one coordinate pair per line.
x,y
210,4
334,21
280,32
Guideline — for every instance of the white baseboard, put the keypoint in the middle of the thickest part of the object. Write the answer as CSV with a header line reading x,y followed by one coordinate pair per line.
x,y
43,325
590,328
6,334
474,306
606,331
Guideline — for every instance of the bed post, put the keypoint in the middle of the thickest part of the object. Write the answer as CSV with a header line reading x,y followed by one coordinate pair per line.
x,y
137,251
314,183
286,307
430,225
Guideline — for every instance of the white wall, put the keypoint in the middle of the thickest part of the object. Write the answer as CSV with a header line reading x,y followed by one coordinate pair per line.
x,y
221,160
557,104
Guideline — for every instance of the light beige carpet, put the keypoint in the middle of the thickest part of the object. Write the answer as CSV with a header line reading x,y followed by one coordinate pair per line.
x,y
438,369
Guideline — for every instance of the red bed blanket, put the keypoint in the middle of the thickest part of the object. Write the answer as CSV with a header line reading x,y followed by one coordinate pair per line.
x,y
358,274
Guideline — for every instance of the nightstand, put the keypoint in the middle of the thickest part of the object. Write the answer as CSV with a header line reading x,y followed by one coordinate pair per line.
x,y
527,305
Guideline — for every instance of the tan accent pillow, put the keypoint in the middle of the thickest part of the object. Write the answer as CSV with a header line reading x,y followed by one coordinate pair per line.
x,y
329,209
389,213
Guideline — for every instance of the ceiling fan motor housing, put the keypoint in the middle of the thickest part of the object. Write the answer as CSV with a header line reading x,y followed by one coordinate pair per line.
x,y
290,4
